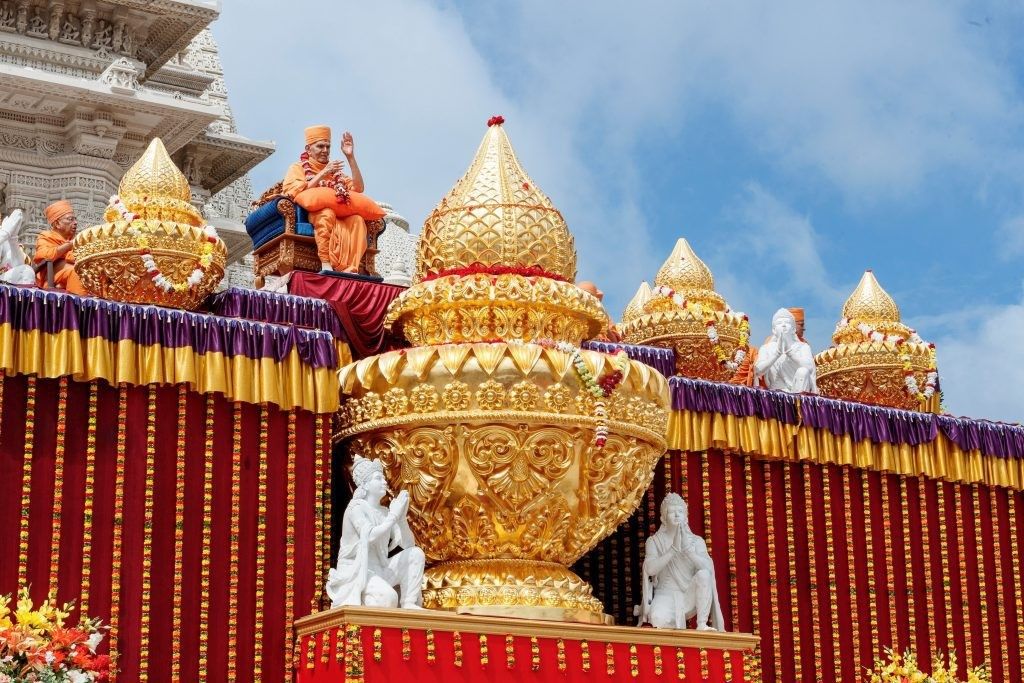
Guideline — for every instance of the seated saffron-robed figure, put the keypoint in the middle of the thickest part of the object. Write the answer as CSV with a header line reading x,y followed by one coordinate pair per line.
x,y
337,208
55,245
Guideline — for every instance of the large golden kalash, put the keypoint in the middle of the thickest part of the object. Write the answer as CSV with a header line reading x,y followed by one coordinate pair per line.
x,y
875,358
520,452
154,247
684,313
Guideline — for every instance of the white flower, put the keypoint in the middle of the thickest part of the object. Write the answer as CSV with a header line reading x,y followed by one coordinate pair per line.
x,y
78,677
49,657
94,641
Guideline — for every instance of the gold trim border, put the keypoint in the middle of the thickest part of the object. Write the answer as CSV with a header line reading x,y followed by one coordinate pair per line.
x,y
466,623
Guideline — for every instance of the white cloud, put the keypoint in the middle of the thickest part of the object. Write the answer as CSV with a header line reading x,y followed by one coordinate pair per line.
x,y
981,366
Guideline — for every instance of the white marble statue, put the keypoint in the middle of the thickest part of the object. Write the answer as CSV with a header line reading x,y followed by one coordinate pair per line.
x,y
679,576
365,574
785,361
14,267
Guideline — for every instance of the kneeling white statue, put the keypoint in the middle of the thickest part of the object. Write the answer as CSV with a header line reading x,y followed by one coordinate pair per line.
x,y
365,574
785,362
679,576
14,266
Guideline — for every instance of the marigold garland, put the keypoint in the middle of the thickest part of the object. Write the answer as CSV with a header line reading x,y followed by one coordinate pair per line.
x,y
147,545
26,478
115,564
207,534
378,646
483,650
585,655
406,645
457,649
261,540
152,269
354,654
833,585
680,664
634,661
510,652
869,553
979,554
847,539
561,655
534,654
963,518
794,598
236,496
337,181
609,658
926,553
600,388
889,580
290,507
658,664
946,587
908,565
1002,601
325,648
58,481
708,316
179,525
931,377
773,582
90,482
1015,568
816,584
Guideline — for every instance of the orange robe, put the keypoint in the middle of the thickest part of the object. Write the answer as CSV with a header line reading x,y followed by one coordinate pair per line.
x,y
339,241
65,277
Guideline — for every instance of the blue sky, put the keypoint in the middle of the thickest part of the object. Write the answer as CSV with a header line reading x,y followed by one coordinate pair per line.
x,y
794,144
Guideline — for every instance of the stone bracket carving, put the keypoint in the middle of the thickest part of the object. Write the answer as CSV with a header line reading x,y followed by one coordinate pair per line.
x,y
121,76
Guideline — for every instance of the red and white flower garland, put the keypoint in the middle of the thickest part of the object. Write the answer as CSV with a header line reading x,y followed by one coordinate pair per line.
x,y
336,181
600,388
909,379
698,311
159,279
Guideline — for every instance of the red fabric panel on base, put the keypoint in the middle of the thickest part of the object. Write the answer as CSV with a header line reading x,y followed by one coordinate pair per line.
x,y
360,306
315,665
156,609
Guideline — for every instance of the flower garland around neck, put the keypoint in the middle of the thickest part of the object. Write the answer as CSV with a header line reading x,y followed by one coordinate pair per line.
x,y
152,269
909,379
336,181
708,316
601,388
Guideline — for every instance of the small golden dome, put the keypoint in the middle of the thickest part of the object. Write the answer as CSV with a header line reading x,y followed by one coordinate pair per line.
x,y
683,270
635,307
495,216
686,274
155,189
871,304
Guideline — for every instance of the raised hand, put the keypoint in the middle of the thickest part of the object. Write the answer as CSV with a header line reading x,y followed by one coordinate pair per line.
x,y
348,145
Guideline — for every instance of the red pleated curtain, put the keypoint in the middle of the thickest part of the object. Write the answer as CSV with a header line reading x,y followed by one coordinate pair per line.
x,y
193,526
829,565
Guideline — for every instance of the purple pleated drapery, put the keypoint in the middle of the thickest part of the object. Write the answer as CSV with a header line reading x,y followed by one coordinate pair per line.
x,y
276,307
662,360
860,421
28,309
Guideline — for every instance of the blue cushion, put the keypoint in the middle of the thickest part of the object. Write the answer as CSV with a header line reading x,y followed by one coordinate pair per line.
x,y
305,229
265,223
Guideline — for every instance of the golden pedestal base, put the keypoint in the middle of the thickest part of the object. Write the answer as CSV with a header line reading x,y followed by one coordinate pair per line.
x,y
525,589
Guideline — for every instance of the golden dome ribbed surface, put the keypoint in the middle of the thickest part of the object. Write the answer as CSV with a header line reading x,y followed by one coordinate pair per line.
x,y
683,270
635,308
495,215
154,188
869,303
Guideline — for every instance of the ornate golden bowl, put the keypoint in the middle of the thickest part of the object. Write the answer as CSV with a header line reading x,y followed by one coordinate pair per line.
x,y
873,372
110,266
687,335
456,309
494,443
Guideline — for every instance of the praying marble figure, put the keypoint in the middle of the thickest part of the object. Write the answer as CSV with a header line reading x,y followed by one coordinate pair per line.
x,y
14,267
785,362
678,574
365,574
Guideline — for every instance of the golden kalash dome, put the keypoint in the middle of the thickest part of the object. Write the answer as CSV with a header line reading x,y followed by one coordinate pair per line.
x,y
685,313
154,248
520,452
635,308
875,358
498,248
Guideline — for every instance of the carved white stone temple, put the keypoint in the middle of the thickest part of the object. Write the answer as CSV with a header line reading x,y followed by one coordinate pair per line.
x,y
396,254
84,86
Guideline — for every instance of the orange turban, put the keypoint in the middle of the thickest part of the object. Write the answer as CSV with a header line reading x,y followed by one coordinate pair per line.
x,y
318,133
54,212
798,313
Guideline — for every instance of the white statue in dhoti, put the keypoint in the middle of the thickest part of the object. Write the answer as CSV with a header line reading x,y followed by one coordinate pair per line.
x,y
365,573
14,267
679,576
786,362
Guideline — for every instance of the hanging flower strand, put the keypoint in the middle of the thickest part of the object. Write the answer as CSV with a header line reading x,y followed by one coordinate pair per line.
x,y
152,269
339,182
909,378
600,388
708,316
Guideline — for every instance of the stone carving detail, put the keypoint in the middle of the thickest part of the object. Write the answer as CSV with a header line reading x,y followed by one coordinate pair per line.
x,y
37,25
7,15
121,76
104,41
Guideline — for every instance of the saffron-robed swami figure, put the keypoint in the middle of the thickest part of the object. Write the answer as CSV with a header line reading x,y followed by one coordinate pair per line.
x,y
56,245
337,208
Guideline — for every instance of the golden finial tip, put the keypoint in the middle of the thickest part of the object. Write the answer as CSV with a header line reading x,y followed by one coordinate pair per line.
x,y
683,270
154,188
870,303
635,308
